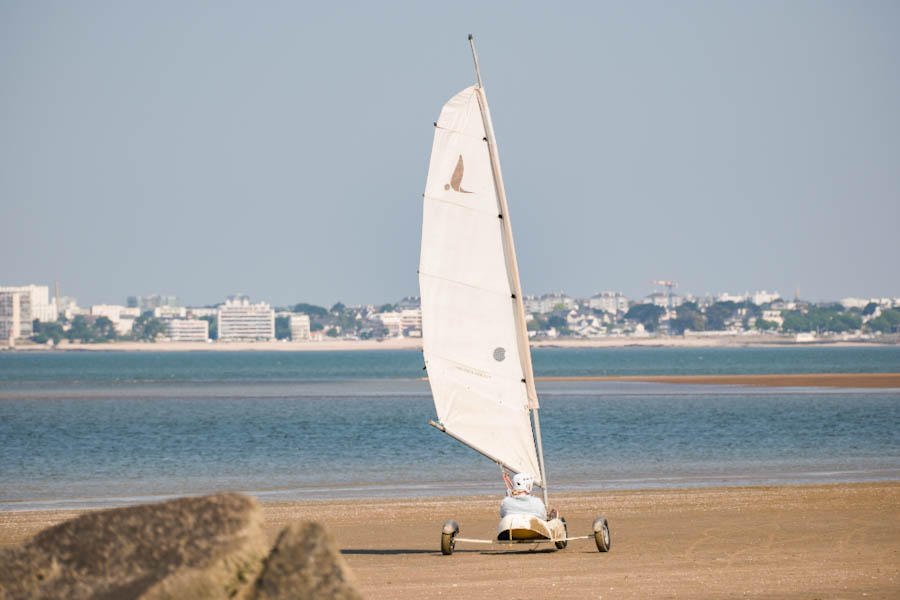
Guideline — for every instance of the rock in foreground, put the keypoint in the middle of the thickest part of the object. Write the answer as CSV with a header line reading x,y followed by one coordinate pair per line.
x,y
209,547
305,563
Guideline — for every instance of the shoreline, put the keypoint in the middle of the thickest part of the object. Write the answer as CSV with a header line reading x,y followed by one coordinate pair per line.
x,y
724,341
797,541
836,380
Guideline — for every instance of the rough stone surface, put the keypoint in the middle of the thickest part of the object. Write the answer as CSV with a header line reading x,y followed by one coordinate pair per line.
x,y
209,547
305,563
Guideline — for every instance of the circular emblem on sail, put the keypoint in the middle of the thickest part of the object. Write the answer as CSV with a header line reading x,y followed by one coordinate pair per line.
x,y
499,353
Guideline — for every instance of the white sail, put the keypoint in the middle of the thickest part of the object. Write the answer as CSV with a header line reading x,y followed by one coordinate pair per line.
x,y
475,343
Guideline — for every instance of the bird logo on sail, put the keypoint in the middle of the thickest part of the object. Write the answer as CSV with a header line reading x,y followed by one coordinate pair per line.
x,y
456,179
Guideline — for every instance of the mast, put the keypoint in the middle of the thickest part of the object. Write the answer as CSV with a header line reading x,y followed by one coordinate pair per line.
x,y
513,273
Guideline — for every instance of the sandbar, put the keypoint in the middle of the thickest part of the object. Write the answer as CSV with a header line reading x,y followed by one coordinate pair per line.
x,y
841,380
818,541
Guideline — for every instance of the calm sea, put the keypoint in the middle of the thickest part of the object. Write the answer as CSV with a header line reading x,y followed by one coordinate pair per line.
x,y
98,429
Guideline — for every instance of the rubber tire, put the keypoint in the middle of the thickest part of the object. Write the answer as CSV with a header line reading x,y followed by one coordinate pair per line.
x,y
448,543
602,537
562,544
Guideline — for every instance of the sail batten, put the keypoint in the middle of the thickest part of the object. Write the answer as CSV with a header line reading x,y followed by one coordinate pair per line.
x,y
474,339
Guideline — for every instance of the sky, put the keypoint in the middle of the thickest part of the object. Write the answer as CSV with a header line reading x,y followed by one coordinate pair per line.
x,y
280,149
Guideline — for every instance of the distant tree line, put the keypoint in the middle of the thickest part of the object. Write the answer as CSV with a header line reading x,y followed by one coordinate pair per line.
x,y
89,330
721,316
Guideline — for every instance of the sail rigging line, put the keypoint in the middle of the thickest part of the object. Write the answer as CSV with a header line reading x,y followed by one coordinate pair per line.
x,y
460,133
468,285
512,271
458,205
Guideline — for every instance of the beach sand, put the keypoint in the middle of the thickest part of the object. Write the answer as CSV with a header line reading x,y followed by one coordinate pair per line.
x,y
822,541
415,343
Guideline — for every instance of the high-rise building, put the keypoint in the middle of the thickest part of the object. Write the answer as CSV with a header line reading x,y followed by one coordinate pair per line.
x,y
42,308
299,327
240,320
15,315
152,301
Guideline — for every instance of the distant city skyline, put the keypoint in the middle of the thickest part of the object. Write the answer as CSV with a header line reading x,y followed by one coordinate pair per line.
x,y
203,149
152,300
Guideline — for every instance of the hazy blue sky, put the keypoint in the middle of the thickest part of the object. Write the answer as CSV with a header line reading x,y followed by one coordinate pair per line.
x,y
280,149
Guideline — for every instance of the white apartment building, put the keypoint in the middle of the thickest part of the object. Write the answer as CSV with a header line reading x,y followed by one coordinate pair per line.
x,y
854,302
611,302
170,312
662,299
15,315
240,320
145,303
68,307
122,318
42,307
736,298
773,316
392,322
299,327
411,321
110,311
764,297
547,303
187,330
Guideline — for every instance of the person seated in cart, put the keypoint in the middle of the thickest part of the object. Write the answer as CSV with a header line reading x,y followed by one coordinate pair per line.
x,y
519,499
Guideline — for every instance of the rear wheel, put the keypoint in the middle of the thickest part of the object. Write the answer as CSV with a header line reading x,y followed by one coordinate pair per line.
x,y
448,537
561,544
601,534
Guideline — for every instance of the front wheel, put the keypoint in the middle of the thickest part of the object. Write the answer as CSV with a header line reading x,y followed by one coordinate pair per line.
x,y
601,534
448,537
561,544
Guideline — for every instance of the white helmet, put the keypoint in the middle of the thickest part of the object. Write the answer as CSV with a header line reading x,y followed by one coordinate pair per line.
x,y
522,482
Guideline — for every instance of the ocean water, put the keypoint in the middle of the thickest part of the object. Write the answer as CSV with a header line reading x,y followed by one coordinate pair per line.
x,y
98,429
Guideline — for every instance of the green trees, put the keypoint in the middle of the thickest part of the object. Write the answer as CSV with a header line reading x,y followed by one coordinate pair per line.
x,y
537,323
646,314
821,319
80,330
718,313
104,330
764,325
147,327
794,320
887,322
310,309
44,332
688,317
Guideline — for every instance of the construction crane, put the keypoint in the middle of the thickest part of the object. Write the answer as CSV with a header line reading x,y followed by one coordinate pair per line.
x,y
669,285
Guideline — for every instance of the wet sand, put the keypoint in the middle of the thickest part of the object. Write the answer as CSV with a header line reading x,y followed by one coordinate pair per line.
x,y
823,541
842,380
